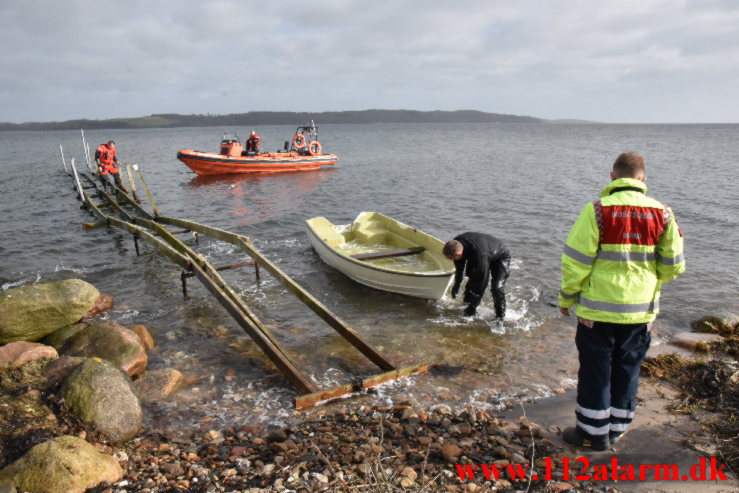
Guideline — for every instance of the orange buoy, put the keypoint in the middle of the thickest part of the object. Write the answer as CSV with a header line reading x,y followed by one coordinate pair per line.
x,y
314,148
299,141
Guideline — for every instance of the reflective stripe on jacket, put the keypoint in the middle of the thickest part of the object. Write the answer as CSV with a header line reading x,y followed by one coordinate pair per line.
x,y
619,252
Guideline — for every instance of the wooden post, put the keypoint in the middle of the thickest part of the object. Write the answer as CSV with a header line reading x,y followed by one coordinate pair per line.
x,y
64,163
132,183
86,150
80,194
146,188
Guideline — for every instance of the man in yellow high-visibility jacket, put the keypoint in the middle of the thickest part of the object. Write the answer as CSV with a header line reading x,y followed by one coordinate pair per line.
x,y
620,251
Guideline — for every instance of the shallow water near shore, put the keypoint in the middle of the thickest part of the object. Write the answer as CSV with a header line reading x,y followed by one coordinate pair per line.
x,y
524,183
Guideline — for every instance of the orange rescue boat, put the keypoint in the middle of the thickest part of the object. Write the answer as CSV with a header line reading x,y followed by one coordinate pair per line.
x,y
302,154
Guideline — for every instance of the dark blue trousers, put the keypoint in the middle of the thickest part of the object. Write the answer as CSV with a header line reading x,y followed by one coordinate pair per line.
x,y
608,378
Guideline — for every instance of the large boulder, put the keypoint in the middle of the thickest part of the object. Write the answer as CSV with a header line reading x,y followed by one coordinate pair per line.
x,y
65,464
59,369
102,304
146,339
109,341
103,397
58,338
30,312
19,353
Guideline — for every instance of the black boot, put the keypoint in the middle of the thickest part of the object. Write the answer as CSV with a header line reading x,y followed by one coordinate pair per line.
x,y
577,437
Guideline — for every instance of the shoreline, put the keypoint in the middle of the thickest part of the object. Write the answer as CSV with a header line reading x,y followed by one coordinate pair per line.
x,y
344,446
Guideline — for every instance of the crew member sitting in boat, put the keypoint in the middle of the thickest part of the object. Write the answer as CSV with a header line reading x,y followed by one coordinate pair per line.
x,y
485,257
107,163
252,144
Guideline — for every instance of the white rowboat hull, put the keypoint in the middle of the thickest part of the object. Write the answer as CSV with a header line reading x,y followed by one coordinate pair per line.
x,y
431,285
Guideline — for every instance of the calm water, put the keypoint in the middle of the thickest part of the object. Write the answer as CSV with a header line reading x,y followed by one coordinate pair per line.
x,y
522,182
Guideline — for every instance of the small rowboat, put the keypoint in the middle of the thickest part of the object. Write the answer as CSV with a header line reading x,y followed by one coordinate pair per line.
x,y
302,154
383,253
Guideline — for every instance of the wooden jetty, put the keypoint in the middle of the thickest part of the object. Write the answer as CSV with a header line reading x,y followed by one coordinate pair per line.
x,y
127,213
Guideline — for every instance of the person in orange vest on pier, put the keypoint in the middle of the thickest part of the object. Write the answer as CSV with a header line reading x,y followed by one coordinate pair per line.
x,y
252,144
107,163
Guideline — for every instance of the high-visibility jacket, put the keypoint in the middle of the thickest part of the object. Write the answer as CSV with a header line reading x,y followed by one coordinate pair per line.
x,y
620,251
252,144
107,158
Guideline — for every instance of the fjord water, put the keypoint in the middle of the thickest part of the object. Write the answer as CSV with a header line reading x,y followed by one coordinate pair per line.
x,y
524,183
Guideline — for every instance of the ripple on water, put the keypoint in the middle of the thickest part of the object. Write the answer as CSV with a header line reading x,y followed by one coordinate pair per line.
x,y
515,190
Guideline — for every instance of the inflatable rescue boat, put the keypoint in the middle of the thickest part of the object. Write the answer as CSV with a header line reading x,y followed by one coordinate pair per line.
x,y
303,153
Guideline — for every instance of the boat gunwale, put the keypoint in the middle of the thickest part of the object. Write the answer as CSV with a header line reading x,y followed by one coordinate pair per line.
x,y
372,267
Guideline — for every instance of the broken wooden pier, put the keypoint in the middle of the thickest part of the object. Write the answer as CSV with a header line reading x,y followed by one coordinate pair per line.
x,y
125,212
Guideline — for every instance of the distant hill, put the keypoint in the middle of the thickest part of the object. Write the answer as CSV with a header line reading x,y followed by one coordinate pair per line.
x,y
572,120
254,118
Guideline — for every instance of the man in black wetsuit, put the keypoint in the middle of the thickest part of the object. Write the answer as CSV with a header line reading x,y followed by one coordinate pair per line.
x,y
485,257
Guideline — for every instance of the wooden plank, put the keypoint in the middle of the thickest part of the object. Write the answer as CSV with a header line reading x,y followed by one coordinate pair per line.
x,y
133,203
307,400
212,274
273,352
179,253
216,233
389,253
319,309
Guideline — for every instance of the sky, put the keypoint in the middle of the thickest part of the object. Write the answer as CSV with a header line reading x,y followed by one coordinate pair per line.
x,y
641,61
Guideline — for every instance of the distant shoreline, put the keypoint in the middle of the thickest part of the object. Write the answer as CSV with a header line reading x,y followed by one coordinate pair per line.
x,y
254,118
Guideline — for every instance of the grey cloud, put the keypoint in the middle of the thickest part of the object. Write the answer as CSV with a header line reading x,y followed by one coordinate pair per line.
x,y
617,60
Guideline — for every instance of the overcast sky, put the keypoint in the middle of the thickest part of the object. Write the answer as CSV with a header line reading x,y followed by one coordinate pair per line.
x,y
606,60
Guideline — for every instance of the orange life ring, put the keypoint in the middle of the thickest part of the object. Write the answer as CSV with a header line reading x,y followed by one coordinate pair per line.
x,y
314,148
299,141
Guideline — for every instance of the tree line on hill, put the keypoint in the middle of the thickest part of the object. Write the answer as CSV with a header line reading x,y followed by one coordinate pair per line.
x,y
254,118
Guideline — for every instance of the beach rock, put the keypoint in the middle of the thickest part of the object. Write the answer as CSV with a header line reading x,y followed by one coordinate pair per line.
x,y
450,452
58,370
158,384
103,397
31,312
102,304
277,435
559,487
65,464
693,340
170,469
109,341
58,338
17,354
146,339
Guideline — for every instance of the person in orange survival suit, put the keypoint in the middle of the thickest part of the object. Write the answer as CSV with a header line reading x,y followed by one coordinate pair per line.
x,y
252,144
107,163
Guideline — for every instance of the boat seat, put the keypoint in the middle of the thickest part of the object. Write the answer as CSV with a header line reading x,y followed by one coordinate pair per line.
x,y
369,232
327,232
389,253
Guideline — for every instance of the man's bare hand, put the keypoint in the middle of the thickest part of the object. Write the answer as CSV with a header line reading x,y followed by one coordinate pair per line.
x,y
564,311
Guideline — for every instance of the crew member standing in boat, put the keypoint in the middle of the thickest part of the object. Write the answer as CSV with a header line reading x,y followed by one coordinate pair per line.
x,y
252,144
107,163
484,257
